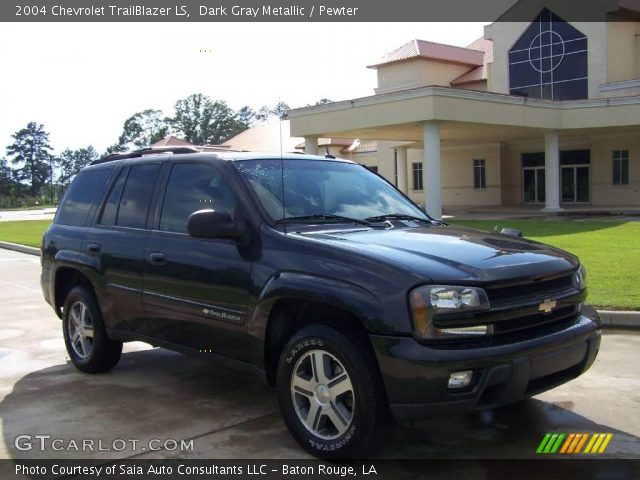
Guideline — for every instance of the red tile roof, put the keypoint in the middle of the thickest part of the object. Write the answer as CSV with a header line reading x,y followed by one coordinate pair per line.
x,y
172,141
432,51
477,74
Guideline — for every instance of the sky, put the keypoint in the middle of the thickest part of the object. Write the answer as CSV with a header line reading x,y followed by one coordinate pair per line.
x,y
83,80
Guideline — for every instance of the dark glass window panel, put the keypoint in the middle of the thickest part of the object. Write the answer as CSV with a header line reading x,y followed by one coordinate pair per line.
x,y
582,184
193,187
533,159
479,173
572,67
566,30
533,92
519,56
79,198
110,211
575,46
574,90
529,179
575,157
417,176
540,184
136,196
621,167
523,75
553,60
568,184
528,36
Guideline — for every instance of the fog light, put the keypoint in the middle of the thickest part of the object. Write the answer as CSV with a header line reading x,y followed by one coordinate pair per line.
x,y
459,380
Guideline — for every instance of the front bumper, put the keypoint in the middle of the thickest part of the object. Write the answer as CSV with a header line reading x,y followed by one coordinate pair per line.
x,y
415,375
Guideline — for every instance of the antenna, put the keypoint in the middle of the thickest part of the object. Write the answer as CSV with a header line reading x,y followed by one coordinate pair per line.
x,y
284,214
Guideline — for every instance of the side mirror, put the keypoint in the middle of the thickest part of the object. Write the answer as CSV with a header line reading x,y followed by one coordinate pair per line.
x,y
213,224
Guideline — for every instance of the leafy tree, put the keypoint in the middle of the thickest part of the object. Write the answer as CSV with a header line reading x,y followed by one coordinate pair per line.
x,y
280,110
6,182
72,161
202,121
263,114
31,153
143,129
247,116
323,101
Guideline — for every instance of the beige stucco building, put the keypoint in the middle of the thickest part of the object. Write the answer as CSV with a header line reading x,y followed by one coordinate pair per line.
x,y
541,113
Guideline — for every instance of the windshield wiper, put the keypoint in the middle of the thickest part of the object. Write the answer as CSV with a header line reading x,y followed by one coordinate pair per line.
x,y
396,216
322,216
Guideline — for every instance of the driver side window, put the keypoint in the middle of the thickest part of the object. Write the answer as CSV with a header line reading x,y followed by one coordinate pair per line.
x,y
192,187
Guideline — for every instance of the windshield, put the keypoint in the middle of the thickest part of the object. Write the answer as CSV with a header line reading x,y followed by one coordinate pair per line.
x,y
322,187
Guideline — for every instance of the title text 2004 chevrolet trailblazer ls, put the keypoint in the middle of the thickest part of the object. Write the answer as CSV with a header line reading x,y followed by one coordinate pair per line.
x,y
317,272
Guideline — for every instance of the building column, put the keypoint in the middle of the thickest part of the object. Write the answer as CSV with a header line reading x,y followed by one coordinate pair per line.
x,y
401,163
552,172
431,170
311,145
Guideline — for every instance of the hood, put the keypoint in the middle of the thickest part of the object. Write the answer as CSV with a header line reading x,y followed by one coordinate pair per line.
x,y
452,253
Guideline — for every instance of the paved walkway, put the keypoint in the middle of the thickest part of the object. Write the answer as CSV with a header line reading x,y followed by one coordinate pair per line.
x,y
154,393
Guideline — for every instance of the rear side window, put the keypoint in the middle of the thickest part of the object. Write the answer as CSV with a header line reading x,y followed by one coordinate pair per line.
x,y
110,211
136,196
193,187
76,204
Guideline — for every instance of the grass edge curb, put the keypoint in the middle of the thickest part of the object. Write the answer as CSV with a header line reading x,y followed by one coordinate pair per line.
x,y
20,248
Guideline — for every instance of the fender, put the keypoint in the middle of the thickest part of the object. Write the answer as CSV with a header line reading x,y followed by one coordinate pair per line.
x,y
86,264
350,297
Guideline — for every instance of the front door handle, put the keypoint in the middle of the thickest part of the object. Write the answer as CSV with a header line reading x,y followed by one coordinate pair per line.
x,y
93,248
157,258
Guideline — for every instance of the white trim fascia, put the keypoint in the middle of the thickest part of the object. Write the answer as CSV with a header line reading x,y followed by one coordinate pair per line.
x,y
434,91
611,86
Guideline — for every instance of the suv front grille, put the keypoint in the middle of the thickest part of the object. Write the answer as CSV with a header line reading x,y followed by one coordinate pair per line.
x,y
534,321
504,295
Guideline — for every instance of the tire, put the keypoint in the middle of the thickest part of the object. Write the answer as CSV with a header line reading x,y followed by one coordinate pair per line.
x,y
326,418
93,352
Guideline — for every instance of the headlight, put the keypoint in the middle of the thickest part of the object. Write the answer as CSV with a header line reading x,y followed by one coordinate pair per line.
x,y
581,277
430,300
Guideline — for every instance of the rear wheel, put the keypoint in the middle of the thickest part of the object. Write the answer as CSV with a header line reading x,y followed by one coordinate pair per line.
x,y
330,393
88,346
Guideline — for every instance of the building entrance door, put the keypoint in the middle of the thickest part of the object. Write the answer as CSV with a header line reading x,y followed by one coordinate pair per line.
x,y
575,184
533,184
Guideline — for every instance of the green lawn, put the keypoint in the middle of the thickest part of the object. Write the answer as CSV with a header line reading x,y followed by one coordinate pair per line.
x,y
609,250
25,232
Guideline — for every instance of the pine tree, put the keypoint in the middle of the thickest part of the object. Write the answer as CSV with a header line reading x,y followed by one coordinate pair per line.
x,y
31,154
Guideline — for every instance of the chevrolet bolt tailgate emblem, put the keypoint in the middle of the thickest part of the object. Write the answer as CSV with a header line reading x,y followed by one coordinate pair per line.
x,y
547,305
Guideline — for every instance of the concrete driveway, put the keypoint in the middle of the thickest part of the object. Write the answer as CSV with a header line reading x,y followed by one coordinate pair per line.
x,y
156,394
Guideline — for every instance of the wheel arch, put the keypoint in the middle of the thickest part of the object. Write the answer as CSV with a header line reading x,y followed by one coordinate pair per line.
x,y
291,301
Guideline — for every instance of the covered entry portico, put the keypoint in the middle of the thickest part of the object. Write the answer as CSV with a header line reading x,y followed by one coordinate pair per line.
x,y
437,119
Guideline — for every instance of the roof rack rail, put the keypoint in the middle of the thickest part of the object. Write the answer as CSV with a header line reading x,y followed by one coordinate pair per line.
x,y
142,152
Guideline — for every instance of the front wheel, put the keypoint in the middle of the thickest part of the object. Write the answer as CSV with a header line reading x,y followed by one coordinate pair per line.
x,y
330,393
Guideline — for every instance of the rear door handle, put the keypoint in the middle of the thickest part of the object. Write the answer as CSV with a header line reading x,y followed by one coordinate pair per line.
x,y
157,258
93,247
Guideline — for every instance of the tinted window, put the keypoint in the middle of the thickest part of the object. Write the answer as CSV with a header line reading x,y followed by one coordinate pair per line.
x,y
111,207
136,196
77,202
193,187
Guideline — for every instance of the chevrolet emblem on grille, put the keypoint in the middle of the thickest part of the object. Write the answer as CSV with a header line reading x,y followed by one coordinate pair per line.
x,y
547,305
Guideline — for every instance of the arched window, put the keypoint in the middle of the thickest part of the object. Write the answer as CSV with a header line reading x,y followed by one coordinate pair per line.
x,y
549,60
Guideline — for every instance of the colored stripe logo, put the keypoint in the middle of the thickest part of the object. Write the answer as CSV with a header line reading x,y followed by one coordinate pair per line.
x,y
574,443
